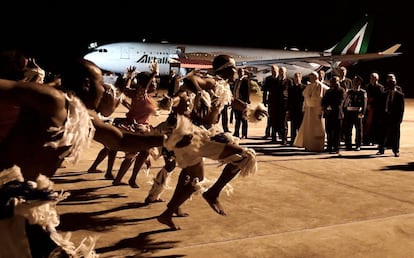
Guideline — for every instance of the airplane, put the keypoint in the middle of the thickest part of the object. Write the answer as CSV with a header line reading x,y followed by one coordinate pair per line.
x,y
116,57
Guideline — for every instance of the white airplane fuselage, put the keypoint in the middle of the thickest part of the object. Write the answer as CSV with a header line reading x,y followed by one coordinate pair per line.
x,y
117,57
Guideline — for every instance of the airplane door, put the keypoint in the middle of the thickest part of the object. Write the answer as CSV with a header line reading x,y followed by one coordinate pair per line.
x,y
125,53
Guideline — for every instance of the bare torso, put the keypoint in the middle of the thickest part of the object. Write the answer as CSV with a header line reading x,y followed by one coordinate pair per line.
x,y
26,149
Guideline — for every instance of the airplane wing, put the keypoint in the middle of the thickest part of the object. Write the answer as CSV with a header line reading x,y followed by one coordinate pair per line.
x,y
326,59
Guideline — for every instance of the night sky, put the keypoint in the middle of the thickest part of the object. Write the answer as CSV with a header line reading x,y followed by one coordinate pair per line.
x,y
52,31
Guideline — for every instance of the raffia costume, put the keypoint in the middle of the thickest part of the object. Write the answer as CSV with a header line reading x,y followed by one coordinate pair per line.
x,y
23,202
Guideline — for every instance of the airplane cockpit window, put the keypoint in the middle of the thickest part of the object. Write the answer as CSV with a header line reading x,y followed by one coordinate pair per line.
x,y
102,50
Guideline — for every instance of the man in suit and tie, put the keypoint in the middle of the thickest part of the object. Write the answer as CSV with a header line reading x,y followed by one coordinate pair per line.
x,y
393,112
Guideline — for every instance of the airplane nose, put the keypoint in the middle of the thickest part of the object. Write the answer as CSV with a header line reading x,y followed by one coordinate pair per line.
x,y
89,56
94,58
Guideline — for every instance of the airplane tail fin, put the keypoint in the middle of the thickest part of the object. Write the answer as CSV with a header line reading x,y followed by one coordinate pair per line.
x,y
356,40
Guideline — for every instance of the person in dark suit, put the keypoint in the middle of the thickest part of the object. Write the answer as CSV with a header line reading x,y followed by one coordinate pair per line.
x,y
241,93
332,103
277,105
295,105
392,113
269,82
374,92
172,83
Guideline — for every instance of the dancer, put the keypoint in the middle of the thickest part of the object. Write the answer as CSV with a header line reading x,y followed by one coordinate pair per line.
x,y
112,98
196,137
51,125
137,121
138,87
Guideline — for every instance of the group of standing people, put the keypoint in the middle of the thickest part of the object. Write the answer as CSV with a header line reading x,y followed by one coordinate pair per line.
x,y
275,98
369,110
333,110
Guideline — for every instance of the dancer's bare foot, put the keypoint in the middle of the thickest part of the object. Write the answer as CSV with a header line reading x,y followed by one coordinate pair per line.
x,y
180,213
214,204
133,184
109,176
167,220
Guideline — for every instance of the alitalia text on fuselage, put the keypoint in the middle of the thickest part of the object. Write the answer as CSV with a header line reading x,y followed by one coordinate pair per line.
x,y
148,59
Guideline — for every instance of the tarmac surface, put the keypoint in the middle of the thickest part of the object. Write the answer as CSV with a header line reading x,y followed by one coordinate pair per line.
x,y
299,204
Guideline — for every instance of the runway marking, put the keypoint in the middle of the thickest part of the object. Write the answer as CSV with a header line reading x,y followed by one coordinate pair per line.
x,y
296,231
328,179
343,184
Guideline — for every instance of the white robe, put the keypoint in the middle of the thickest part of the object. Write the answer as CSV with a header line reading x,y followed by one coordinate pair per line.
x,y
311,135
